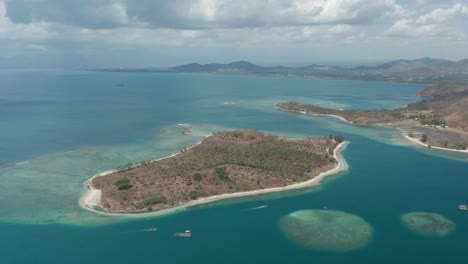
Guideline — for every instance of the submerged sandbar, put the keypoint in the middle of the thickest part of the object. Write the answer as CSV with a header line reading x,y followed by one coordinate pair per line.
x,y
327,230
428,224
223,165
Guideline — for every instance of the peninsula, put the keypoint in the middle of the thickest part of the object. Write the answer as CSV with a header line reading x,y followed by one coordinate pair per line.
x,y
440,121
223,165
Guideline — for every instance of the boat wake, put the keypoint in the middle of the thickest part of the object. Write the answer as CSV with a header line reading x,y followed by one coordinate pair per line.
x,y
258,207
154,229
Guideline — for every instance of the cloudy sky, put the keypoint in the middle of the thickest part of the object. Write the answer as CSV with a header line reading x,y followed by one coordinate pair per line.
x,y
128,33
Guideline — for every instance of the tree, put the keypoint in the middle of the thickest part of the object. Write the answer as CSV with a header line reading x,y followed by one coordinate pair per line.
x,y
148,203
193,194
339,138
222,173
123,184
424,138
197,176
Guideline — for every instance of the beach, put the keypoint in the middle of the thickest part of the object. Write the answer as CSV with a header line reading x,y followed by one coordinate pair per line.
x,y
402,132
417,141
304,112
91,199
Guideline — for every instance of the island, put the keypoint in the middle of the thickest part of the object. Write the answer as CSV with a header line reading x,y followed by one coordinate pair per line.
x,y
439,121
223,165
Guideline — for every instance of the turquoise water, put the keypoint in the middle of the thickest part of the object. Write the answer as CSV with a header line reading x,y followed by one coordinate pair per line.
x,y
60,128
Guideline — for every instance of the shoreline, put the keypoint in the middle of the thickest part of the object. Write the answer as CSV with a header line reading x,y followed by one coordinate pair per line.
x,y
402,132
91,198
416,141
305,113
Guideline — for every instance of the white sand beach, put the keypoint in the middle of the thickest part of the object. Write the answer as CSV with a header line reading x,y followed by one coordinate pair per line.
x,y
404,133
305,113
417,141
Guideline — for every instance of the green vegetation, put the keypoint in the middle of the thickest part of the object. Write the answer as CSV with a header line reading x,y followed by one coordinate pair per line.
x,y
460,146
123,184
197,176
355,116
446,106
339,138
226,162
424,138
222,173
193,194
148,203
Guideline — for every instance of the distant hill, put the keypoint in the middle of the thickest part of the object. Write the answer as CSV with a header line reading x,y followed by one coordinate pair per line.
x,y
425,70
404,64
240,66
425,66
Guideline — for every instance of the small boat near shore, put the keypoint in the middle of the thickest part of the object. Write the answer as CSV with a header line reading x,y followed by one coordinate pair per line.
x,y
187,234
463,207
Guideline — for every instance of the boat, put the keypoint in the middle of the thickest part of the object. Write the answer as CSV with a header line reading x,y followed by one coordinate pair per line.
x,y
187,233
463,207
153,229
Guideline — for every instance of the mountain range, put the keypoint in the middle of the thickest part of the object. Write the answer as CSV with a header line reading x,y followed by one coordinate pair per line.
x,y
423,66
425,70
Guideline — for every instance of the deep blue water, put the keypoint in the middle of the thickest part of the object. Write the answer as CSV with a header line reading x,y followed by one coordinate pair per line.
x,y
81,122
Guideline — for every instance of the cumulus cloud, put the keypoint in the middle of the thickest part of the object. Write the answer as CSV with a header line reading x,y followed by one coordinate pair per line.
x,y
106,26
440,22
201,14
83,13
13,31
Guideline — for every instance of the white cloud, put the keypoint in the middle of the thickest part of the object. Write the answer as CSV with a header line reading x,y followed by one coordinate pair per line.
x,y
12,31
96,26
441,15
207,14
438,23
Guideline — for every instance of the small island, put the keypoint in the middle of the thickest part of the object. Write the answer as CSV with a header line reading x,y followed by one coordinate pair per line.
x,y
223,165
440,121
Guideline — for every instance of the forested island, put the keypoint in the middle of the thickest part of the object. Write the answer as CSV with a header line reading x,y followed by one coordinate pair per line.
x,y
441,120
222,164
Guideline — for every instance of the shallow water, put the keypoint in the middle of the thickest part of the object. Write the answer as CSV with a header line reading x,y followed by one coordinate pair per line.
x,y
68,126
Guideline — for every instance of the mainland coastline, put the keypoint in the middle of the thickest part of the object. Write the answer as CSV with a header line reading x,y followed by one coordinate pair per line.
x,y
440,121
404,133
92,199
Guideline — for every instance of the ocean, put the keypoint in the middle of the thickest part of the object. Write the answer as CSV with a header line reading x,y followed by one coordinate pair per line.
x,y
59,128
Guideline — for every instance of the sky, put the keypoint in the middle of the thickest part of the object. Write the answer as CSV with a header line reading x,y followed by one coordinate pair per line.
x,y
160,33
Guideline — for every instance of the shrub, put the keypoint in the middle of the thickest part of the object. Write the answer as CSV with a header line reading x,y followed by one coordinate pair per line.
x,y
222,173
197,176
339,138
424,138
123,184
148,203
193,195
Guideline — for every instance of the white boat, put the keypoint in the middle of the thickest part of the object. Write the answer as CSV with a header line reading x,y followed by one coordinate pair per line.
x,y
187,233
463,207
